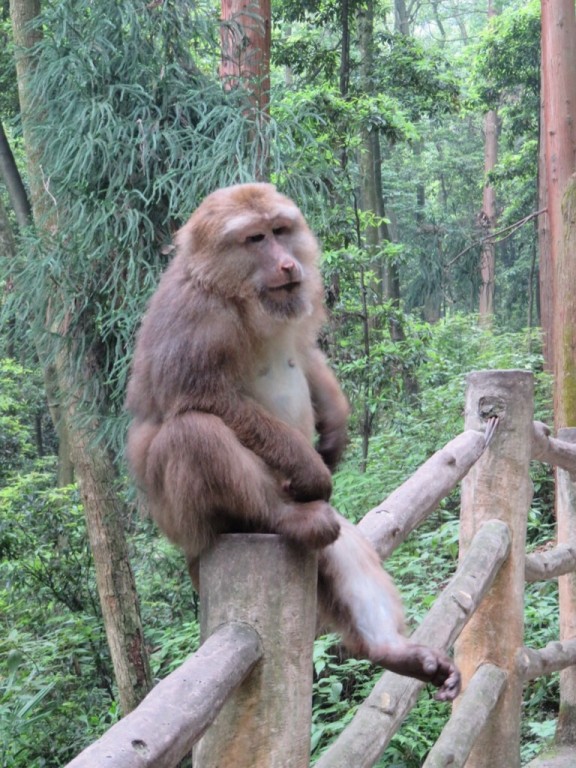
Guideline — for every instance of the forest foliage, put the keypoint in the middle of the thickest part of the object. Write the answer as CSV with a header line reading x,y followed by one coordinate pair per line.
x,y
135,129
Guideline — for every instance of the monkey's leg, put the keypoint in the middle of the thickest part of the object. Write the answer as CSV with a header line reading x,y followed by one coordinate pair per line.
x,y
359,598
203,481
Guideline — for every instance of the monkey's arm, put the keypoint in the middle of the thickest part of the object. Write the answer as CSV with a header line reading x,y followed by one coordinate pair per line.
x,y
206,375
280,446
330,407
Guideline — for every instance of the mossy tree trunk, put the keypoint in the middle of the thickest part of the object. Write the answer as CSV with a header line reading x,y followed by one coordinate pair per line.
x,y
71,378
559,109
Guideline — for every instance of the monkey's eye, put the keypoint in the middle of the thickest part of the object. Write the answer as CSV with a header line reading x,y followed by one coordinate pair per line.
x,y
280,231
255,238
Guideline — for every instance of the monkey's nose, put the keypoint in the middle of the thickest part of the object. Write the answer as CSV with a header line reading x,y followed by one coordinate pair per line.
x,y
288,267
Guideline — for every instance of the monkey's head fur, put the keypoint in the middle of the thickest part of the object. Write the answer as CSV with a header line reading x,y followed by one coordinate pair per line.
x,y
249,241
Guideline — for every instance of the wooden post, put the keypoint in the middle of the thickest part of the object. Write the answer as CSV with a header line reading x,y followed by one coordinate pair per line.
x,y
268,583
566,512
498,486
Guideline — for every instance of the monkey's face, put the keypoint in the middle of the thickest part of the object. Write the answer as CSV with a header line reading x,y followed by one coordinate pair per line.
x,y
278,276
253,243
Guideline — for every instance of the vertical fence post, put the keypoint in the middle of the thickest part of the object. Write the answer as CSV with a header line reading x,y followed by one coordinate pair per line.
x,y
270,584
566,513
498,486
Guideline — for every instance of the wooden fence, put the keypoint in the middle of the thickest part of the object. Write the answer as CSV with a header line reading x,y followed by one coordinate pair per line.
x,y
244,699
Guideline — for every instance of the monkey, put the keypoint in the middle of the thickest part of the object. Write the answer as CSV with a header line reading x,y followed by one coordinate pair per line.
x,y
228,393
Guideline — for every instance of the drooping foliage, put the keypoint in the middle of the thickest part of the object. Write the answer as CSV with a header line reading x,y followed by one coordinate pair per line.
x,y
135,129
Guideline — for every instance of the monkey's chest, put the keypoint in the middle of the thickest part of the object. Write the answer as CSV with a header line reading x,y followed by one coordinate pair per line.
x,y
281,387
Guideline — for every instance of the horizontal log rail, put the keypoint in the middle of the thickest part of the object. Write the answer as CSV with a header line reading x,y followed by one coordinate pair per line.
x,y
378,718
233,675
542,566
476,704
163,728
388,525
551,450
553,658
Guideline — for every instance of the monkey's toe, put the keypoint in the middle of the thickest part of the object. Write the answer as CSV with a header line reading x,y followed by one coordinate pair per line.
x,y
425,664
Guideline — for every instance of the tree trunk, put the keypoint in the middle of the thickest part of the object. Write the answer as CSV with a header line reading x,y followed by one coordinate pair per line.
x,y
377,234
245,38
105,514
401,24
13,181
23,212
498,486
96,471
545,274
564,316
559,96
344,73
488,252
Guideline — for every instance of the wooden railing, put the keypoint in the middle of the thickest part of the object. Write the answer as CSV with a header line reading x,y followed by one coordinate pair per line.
x,y
251,680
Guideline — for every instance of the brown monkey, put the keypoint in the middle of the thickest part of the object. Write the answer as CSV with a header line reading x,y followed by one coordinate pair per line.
x,y
227,392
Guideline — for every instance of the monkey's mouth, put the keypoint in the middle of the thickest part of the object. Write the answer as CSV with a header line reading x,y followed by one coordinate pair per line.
x,y
285,287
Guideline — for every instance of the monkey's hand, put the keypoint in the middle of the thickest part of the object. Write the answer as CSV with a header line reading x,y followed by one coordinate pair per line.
x,y
331,445
314,524
310,482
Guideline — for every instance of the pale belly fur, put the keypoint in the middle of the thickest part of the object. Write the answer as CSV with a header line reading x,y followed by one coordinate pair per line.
x,y
282,389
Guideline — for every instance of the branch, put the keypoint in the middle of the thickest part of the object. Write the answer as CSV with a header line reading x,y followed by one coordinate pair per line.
x,y
13,181
554,657
491,237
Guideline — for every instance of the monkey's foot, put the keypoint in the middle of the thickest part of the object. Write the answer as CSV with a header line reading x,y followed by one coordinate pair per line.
x,y
313,524
423,663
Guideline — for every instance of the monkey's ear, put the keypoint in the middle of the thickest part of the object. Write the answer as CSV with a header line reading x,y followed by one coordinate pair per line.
x,y
184,240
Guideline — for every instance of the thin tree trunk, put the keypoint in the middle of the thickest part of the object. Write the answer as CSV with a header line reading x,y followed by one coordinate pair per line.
x,y
344,77
401,24
96,472
545,273
245,37
11,176
488,252
387,285
23,212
